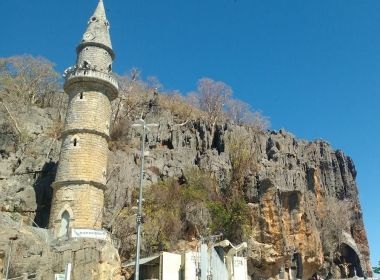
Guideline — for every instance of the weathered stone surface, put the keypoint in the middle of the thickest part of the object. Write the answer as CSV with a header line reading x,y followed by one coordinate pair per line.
x,y
31,251
286,191
90,259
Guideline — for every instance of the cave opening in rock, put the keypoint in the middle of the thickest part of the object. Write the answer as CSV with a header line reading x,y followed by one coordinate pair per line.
x,y
297,266
349,262
168,143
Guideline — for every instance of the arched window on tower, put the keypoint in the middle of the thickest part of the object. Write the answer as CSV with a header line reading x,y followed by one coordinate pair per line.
x,y
75,142
81,95
65,224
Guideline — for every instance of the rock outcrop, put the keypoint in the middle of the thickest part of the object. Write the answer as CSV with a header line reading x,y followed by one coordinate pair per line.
x,y
294,184
31,252
293,189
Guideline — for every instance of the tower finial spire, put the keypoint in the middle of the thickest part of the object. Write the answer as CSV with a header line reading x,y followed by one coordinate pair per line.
x,y
97,32
100,11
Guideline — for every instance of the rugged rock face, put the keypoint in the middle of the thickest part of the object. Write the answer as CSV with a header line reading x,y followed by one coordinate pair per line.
x,y
31,252
295,184
293,190
289,196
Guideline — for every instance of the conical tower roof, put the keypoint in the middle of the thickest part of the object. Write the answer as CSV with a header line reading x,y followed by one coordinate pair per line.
x,y
97,32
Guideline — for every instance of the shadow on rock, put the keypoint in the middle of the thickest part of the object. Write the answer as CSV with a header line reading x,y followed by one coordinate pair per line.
x,y
44,193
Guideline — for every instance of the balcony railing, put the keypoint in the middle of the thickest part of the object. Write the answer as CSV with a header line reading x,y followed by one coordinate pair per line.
x,y
74,72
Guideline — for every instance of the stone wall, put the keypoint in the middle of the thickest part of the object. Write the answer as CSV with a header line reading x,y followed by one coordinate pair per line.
x,y
98,58
88,110
81,175
84,203
83,158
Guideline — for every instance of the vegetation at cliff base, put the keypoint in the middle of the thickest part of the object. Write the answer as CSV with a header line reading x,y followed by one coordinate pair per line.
x,y
376,269
190,209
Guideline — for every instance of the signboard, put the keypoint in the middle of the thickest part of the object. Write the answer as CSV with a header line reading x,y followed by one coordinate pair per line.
x,y
89,233
59,276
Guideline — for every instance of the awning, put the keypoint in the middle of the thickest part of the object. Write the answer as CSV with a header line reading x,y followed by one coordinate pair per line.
x,y
149,261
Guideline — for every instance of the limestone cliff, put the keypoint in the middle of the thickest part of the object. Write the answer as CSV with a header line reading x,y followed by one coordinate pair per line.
x,y
295,190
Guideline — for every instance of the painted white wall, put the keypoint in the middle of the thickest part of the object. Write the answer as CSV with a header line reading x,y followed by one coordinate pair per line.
x,y
191,262
240,268
171,266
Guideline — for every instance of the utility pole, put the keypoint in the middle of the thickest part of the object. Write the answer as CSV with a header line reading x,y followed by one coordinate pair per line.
x,y
141,123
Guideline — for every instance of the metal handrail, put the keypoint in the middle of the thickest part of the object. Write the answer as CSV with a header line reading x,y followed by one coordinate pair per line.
x,y
82,72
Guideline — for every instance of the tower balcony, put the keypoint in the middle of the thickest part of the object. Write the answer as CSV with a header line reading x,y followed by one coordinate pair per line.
x,y
91,78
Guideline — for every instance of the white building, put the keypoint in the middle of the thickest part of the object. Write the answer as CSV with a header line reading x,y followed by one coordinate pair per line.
x,y
204,264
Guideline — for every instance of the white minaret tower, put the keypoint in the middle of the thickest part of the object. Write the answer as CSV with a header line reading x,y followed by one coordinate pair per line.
x,y
78,190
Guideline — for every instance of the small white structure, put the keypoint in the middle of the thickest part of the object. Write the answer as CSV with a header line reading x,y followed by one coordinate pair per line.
x,y
240,268
170,266
191,265
204,264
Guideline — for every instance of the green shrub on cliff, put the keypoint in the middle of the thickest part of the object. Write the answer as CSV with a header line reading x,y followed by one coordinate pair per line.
x,y
192,209
376,269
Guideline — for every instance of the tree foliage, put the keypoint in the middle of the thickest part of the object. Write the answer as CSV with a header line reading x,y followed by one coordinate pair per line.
x,y
332,226
28,79
215,99
193,208
230,217
133,93
179,107
376,269
213,96
131,104
243,156
238,111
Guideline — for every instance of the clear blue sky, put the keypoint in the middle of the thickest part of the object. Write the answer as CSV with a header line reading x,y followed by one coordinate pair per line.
x,y
312,66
